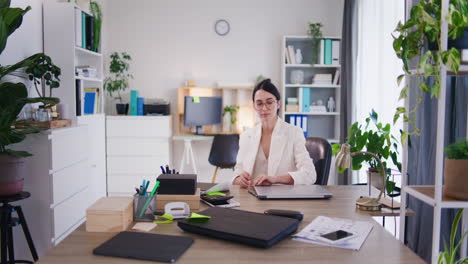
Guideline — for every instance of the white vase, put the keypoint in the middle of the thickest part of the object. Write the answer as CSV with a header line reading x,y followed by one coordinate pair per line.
x,y
297,77
227,122
298,56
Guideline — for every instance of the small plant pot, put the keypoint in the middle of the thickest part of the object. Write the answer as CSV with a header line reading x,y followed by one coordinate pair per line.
x,y
455,182
12,168
11,188
122,109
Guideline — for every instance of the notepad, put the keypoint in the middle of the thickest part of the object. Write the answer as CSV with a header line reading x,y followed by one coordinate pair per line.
x,y
145,246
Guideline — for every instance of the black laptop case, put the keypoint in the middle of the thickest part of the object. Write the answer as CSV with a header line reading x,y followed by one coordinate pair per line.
x,y
244,227
145,246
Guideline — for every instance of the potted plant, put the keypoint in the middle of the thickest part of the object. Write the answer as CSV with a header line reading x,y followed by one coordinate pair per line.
x,y
448,256
422,28
315,33
377,140
13,97
232,110
456,166
118,79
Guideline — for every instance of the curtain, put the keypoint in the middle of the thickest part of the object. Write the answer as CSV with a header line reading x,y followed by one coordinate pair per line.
x,y
377,66
421,161
348,60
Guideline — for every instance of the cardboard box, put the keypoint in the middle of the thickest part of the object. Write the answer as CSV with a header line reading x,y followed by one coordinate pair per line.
x,y
110,214
193,200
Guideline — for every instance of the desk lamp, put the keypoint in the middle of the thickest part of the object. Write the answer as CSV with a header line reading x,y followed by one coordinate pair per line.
x,y
343,160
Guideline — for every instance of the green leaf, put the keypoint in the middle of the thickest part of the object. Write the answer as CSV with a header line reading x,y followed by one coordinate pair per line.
x,y
335,149
399,110
404,137
403,93
400,78
451,58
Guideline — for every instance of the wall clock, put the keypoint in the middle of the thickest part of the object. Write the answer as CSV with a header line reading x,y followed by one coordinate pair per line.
x,y
222,27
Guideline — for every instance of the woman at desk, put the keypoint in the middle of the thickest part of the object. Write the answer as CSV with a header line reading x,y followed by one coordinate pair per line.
x,y
274,151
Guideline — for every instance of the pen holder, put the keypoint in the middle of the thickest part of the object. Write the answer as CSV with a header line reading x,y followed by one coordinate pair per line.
x,y
144,207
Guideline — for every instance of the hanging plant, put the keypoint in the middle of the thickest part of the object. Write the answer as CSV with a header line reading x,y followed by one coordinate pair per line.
x,y
411,41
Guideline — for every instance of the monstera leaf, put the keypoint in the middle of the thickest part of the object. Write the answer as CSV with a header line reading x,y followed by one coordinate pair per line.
x,y
10,20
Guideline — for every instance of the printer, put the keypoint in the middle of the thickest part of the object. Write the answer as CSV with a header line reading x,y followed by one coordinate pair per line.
x,y
156,107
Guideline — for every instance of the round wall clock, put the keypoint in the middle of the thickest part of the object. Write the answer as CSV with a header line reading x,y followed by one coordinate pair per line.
x,y
222,27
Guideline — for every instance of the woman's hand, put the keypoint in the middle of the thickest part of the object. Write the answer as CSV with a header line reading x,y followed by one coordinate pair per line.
x,y
265,180
243,179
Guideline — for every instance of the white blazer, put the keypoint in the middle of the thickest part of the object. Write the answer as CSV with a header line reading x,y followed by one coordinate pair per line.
x,y
288,154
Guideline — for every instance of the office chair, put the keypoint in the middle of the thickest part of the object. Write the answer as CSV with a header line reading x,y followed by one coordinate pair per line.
x,y
320,151
223,153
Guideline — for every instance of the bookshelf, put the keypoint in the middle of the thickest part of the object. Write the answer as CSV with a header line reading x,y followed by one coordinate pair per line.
x,y
306,84
61,43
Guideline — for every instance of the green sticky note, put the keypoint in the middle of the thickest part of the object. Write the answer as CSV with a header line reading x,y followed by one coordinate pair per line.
x,y
216,193
196,99
167,219
199,216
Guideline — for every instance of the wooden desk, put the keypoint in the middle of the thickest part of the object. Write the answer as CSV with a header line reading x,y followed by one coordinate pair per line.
x,y
379,247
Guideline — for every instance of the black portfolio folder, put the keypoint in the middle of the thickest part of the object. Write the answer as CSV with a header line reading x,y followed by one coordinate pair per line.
x,y
245,227
146,246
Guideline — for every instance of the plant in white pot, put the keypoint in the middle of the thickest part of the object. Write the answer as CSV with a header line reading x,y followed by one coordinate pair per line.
x,y
117,82
456,168
13,97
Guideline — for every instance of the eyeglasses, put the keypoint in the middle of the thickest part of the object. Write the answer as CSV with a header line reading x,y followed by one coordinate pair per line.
x,y
269,105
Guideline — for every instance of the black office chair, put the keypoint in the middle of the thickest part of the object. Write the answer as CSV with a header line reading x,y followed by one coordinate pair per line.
x,y
223,153
320,151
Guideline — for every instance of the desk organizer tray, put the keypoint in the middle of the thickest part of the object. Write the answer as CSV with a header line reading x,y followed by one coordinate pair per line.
x,y
254,229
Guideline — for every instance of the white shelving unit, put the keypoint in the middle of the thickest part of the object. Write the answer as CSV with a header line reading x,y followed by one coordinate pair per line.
x,y
433,194
319,124
60,45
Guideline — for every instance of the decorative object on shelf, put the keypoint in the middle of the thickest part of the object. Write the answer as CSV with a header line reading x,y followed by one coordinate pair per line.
x,y
343,160
95,9
222,27
331,104
422,28
456,166
298,56
380,142
317,106
118,79
448,256
13,97
315,33
232,111
297,76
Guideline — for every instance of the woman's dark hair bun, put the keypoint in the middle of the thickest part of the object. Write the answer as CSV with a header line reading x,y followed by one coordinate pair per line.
x,y
266,85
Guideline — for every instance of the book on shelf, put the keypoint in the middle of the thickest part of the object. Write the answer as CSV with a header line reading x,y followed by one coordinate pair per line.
x,y
83,30
336,77
327,53
322,79
78,97
292,56
299,98
92,98
286,55
89,32
292,108
140,105
322,49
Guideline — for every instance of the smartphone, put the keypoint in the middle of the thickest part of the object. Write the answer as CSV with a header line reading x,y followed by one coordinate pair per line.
x,y
224,204
337,236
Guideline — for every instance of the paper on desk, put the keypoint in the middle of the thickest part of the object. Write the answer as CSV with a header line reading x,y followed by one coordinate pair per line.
x,y
143,226
220,187
322,225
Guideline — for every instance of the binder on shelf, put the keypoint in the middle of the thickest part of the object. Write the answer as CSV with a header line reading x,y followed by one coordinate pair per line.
x,y
305,99
83,30
292,120
89,32
97,98
78,97
335,52
140,103
327,52
89,101
322,50
78,27
133,102
300,98
304,124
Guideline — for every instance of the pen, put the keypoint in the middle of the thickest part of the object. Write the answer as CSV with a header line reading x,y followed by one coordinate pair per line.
x,y
137,190
168,171
148,200
173,171
162,168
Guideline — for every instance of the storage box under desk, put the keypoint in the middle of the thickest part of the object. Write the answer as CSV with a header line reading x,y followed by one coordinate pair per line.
x,y
193,200
110,214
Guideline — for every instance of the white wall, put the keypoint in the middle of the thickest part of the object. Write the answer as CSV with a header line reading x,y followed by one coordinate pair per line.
x,y
172,41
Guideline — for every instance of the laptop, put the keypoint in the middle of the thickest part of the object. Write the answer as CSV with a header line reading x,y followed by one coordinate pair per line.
x,y
290,192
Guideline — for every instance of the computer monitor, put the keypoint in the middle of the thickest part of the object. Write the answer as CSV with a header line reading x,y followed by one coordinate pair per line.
x,y
202,111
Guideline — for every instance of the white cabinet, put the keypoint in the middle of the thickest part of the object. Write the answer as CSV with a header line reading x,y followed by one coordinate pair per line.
x,y
136,147
59,183
310,85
